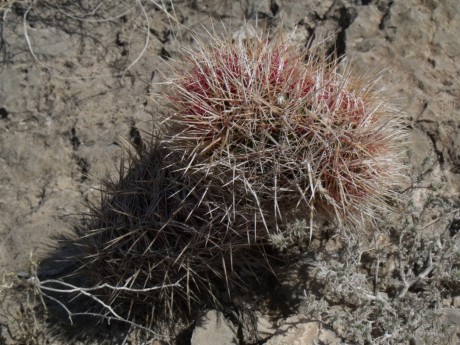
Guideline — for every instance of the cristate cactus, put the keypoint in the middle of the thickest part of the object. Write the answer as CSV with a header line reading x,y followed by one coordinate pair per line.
x,y
290,129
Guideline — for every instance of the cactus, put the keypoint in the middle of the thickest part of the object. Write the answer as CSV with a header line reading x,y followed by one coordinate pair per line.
x,y
158,237
256,132
296,131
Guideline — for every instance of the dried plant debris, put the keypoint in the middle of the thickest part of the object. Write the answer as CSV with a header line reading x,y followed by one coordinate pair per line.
x,y
388,292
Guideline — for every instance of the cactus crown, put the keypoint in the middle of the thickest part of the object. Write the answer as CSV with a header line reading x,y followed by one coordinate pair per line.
x,y
291,128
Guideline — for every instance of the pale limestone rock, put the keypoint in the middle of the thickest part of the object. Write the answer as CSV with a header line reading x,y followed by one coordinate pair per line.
x,y
296,331
213,329
264,327
457,302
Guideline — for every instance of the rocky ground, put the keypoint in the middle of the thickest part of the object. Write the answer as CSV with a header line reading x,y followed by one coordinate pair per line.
x,y
76,79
